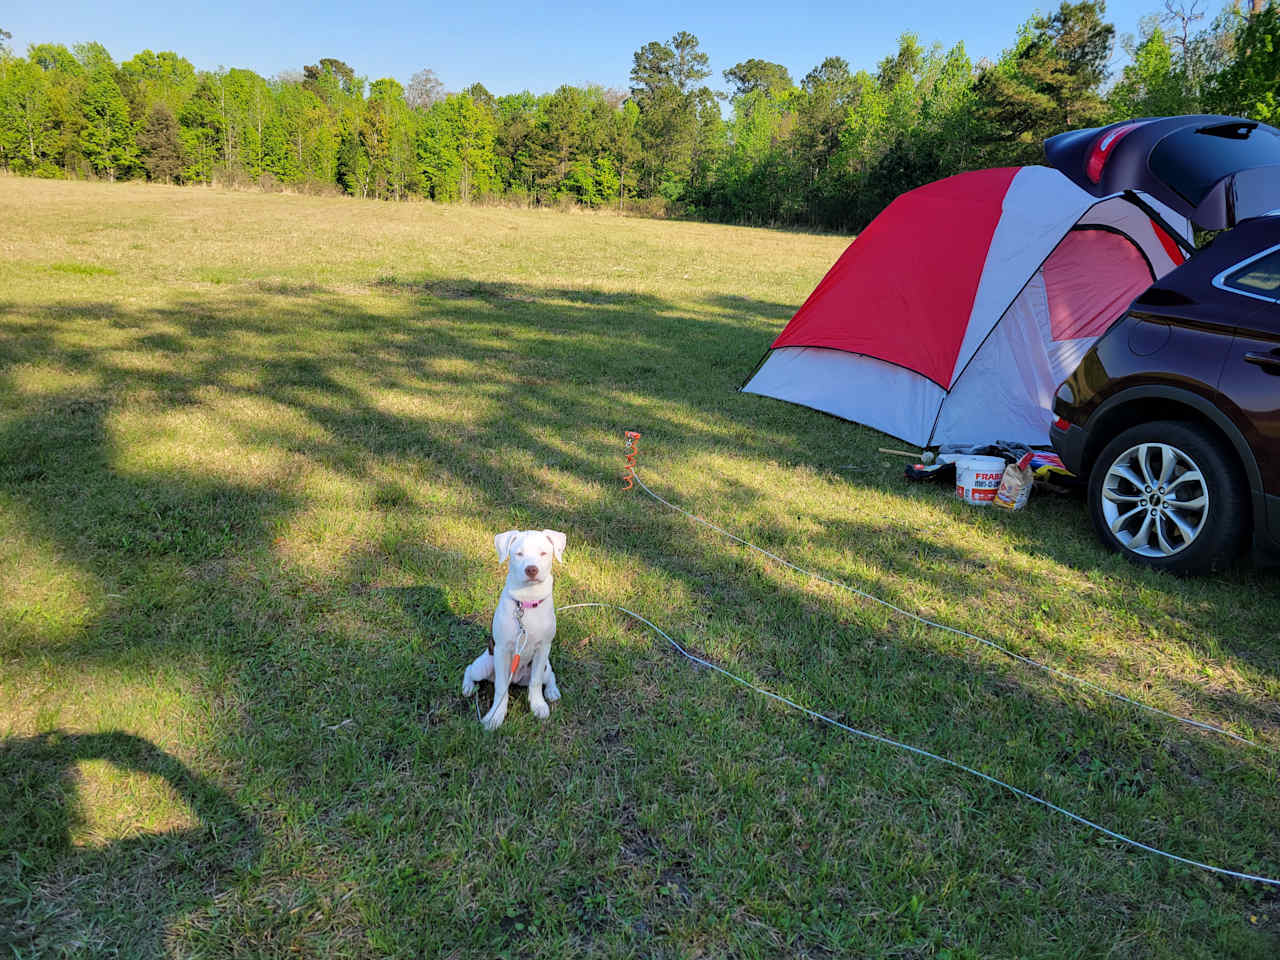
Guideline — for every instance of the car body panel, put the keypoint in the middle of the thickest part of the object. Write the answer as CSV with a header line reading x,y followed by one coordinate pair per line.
x,y
1252,399
1214,169
1191,341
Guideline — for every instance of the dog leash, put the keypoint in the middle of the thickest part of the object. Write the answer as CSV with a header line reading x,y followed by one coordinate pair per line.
x,y
515,659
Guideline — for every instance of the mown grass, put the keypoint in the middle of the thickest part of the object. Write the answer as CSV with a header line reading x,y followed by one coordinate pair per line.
x,y
253,450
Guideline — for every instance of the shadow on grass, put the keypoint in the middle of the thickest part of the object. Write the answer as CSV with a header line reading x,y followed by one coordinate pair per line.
x,y
350,725
139,534
117,898
550,365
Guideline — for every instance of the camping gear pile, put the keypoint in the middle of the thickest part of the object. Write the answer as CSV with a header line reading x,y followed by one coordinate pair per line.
x,y
999,474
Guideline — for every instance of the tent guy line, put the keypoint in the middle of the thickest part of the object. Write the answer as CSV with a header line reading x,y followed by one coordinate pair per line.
x,y
1054,671
877,738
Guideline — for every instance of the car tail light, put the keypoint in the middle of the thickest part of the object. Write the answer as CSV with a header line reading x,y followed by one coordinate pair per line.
x,y
1061,424
1102,147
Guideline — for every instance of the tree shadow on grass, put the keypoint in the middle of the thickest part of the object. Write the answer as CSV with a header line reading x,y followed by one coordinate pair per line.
x,y
551,365
351,717
117,898
157,535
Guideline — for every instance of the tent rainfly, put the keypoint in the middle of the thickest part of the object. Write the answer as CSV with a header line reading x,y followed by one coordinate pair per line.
x,y
955,314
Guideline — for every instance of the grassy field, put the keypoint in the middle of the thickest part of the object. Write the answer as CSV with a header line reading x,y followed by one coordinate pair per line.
x,y
253,452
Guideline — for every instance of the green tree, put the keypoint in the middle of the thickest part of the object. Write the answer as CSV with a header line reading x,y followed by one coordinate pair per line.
x,y
388,136
106,139
161,77
1048,82
93,57
331,77
515,116
624,144
246,106
1249,83
353,167
752,181
456,155
563,133
1153,85
829,92
64,83
202,133
304,144
822,107
481,95
910,123
28,135
772,79
52,57
679,119
159,145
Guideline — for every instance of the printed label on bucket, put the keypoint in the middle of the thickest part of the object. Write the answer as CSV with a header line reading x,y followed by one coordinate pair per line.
x,y
978,478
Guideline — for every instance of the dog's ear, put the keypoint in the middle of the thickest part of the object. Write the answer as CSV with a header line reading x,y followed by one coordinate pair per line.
x,y
558,541
503,541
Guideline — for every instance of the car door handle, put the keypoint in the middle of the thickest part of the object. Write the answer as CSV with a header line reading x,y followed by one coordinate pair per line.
x,y
1268,361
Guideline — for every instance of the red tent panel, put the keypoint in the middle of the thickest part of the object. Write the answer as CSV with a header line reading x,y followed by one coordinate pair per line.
x,y
1170,245
1090,279
936,239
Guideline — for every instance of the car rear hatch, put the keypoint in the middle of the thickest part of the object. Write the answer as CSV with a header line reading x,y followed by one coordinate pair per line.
x,y
1214,170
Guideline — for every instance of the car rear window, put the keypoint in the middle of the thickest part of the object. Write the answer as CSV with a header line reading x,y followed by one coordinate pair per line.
x,y
1193,159
1260,276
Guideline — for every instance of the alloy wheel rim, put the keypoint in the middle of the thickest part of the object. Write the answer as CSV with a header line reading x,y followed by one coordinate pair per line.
x,y
1155,500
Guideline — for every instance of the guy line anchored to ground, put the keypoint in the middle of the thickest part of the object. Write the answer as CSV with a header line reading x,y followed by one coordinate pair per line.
x,y
631,476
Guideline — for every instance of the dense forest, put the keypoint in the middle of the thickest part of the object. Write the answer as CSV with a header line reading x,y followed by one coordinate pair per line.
x,y
829,151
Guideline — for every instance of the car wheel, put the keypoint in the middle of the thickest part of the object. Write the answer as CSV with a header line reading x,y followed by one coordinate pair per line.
x,y
1169,495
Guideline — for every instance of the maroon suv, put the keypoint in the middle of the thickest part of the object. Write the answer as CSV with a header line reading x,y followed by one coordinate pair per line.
x,y
1174,414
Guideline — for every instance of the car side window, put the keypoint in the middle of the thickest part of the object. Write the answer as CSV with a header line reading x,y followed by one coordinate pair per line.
x,y
1260,277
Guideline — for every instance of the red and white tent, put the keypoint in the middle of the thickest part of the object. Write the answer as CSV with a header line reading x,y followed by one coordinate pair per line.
x,y
955,314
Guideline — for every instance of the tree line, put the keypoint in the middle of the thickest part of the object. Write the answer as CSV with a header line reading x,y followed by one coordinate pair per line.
x,y
829,151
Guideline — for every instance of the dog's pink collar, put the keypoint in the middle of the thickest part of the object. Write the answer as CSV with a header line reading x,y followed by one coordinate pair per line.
x,y
526,605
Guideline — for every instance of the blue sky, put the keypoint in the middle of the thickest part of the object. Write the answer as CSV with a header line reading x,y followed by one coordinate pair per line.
x,y
511,46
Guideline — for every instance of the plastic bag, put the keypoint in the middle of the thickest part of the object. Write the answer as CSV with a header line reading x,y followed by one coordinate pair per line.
x,y
1015,485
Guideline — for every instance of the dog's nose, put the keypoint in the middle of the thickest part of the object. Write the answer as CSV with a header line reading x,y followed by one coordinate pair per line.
x,y
531,571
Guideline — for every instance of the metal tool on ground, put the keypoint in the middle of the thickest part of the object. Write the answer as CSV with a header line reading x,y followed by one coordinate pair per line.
x,y
633,448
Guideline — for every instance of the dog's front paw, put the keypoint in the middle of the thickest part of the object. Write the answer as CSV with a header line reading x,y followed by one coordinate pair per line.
x,y
468,685
539,709
493,719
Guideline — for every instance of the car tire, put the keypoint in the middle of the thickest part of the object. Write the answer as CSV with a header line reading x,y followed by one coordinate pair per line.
x,y
1169,495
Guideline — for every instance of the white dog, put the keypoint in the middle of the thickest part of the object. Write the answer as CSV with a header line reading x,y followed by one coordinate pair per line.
x,y
523,625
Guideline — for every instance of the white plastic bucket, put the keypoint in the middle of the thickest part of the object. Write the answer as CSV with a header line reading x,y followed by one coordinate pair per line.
x,y
978,479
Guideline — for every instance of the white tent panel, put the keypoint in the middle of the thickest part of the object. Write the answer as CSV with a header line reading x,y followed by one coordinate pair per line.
x,y
1065,356
1040,206
882,395
1006,392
